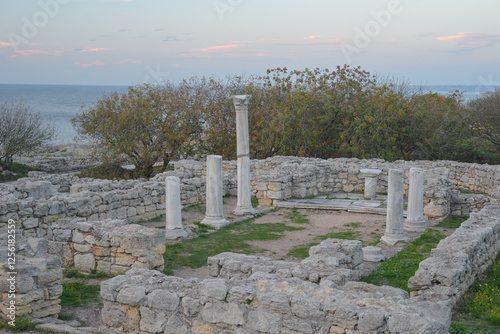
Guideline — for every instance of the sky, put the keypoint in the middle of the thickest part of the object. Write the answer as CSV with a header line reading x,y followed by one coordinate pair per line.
x,y
128,42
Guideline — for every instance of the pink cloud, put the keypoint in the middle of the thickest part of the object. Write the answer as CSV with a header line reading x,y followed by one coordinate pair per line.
x,y
218,48
311,37
36,51
92,64
95,49
4,44
469,40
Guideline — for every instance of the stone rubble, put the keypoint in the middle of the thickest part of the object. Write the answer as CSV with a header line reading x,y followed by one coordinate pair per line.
x,y
458,260
38,279
109,246
150,302
335,260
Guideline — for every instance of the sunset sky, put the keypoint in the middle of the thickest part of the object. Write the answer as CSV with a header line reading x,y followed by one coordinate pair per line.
x,y
126,42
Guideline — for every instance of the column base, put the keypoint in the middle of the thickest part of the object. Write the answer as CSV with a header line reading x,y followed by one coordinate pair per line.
x,y
415,226
392,239
373,254
216,222
240,211
177,233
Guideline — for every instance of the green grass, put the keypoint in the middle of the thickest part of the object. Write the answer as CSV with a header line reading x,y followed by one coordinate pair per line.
x,y
296,217
301,252
79,294
255,202
20,170
396,271
66,316
480,307
467,191
310,196
354,225
452,222
22,323
198,207
203,228
232,238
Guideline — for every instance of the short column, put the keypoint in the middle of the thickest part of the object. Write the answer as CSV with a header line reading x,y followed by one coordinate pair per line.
x,y
214,215
173,227
244,206
371,180
395,205
415,221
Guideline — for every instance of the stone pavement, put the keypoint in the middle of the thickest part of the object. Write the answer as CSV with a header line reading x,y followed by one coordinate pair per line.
x,y
340,201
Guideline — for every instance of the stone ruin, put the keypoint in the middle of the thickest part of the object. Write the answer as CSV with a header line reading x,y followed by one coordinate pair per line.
x,y
32,286
253,295
87,222
110,246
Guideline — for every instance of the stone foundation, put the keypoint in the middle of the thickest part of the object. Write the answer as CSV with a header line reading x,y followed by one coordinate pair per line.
x,y
37,282
335,260
150,302
458,260
111,246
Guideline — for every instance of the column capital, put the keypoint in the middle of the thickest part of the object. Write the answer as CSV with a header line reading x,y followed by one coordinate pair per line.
x,y
241,101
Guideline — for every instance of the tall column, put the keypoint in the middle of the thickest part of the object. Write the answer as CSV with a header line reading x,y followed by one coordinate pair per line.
x,y
395,204
173,227
244,206
371,179
214,214
415,221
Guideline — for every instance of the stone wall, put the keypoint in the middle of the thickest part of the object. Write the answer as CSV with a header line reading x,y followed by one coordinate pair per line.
x,y
457,260
42,199
280,178
37,282
342,175
336,260
150,302
110,246
464,204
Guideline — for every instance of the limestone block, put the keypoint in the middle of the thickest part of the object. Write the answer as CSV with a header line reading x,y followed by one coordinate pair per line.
x,y
31,223
152,321
216,312
123,259
265,321
49,277
215,288
133,295
84,262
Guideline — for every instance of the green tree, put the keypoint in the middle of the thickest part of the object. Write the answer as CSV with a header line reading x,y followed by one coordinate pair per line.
x,y
21,131
484,114
148,124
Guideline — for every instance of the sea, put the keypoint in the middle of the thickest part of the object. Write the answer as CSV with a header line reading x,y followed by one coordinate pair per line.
x,y
57,104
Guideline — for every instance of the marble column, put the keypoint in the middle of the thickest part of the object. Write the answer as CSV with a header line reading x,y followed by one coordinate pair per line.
x,y
214,214
415,221
173,227
371,179
244,206
395,204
